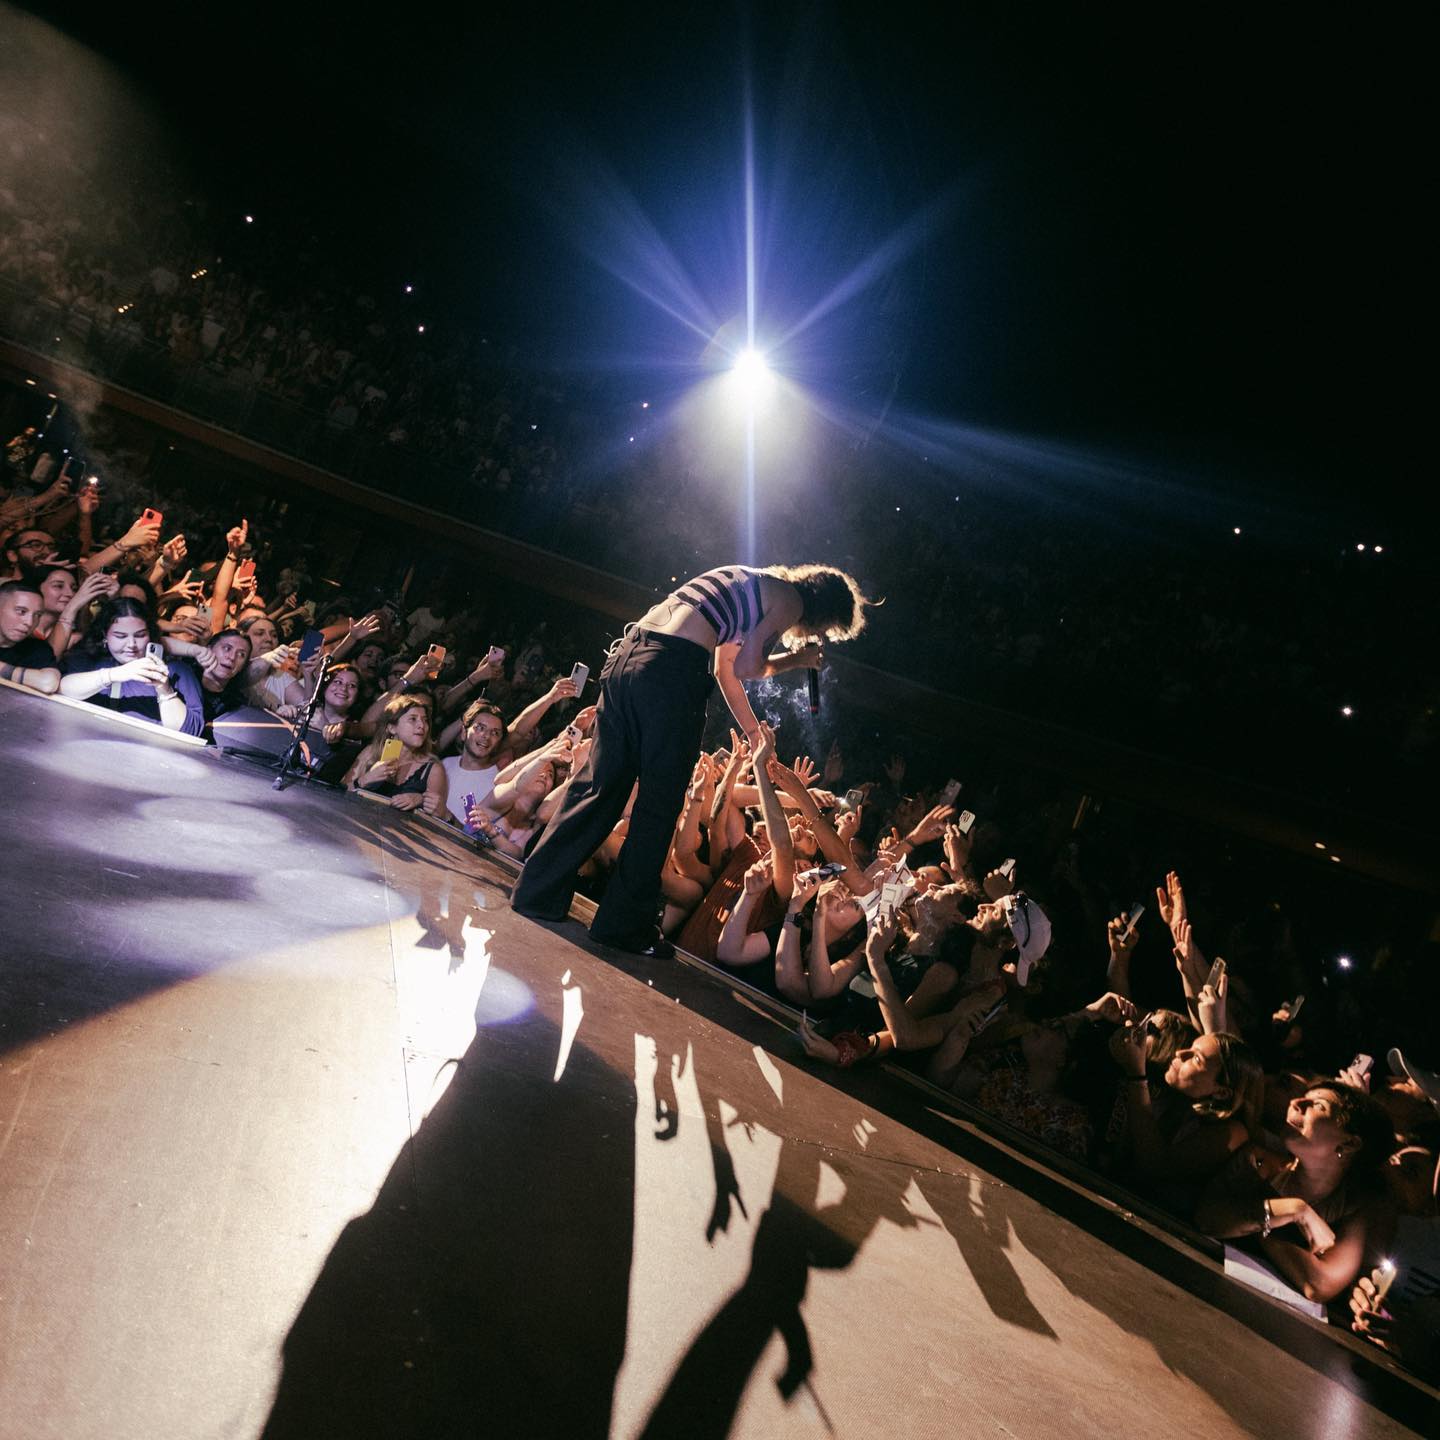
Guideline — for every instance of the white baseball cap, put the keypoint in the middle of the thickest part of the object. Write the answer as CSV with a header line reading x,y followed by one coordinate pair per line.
x,y
1030,926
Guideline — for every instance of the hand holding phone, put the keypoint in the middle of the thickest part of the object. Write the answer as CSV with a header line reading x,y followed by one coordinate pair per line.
x,y
966,822
579,675
312,642
390,751
1217,974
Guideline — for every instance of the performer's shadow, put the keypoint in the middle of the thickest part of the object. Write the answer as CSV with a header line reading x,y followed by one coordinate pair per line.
x,y
794,1237
485,1291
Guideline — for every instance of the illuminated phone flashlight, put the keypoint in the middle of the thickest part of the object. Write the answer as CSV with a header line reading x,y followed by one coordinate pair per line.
x,y
1387,1279
1344,962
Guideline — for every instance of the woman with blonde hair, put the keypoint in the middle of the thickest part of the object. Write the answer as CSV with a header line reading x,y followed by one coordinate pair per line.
x,y
1209,1108
412,777
729,625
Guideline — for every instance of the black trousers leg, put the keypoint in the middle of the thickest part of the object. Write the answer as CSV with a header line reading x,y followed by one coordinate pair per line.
x,y
652,693
594,802
670,723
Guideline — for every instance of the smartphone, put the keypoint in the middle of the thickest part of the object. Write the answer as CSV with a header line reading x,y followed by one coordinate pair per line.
x,y
310,645
435,656
1362,1064
854,799
572,734
821,872
245,570
1132,919
579,675
156,651
1007,869
722,756
390,750
1217,971
966,822
951,790
473,828
495,655
151,517
1294,1007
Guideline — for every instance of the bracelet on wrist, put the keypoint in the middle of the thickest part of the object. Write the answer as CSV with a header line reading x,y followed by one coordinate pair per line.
x,y
1267,1220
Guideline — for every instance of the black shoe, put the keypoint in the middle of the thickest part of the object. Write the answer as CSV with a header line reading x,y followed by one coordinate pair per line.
x,y
656,946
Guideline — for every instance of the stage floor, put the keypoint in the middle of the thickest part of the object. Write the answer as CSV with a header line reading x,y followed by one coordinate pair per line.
x,y
304,1134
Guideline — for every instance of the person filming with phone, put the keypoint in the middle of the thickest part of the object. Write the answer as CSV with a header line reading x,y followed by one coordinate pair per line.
x,y
121,665
723,626
400,763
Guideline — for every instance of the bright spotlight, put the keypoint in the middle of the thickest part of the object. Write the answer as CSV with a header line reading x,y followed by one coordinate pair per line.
x,y
752,375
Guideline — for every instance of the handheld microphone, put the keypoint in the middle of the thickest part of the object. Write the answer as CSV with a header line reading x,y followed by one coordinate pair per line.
x,y
814,678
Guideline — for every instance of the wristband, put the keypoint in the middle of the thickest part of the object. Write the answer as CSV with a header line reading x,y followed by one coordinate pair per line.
x,y
1267,1223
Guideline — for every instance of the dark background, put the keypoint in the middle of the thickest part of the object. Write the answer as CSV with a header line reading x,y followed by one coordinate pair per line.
x,y
1190,236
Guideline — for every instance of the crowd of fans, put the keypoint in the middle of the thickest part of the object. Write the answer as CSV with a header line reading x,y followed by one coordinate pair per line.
x,y
972,936
1297,621
968,933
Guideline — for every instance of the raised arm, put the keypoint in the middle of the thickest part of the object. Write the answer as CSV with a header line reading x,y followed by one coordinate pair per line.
x,y
686,845
225,576
736,945
137,537
834,849
359,632
531,715
458,695
782,850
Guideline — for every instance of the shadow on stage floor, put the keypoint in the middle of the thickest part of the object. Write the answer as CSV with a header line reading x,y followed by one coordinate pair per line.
x,y
337,1110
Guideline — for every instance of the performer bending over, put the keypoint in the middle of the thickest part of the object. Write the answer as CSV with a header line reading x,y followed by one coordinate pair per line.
x,y
650,719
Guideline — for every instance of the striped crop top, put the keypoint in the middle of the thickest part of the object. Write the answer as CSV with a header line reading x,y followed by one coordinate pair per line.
x,y
728,597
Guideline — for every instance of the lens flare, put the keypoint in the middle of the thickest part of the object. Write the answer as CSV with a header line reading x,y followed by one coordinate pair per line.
x,y
753,377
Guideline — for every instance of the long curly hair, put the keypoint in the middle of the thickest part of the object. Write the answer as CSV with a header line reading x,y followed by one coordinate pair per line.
x,y
834,604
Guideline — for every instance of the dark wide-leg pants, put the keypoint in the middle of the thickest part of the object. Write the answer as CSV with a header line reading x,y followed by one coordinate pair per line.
x,y
649,722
